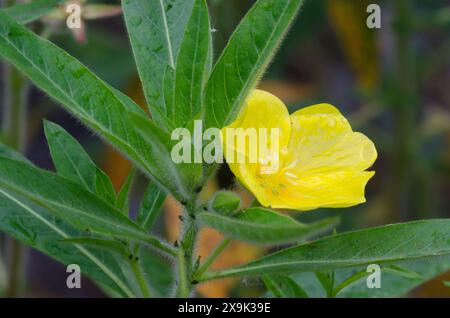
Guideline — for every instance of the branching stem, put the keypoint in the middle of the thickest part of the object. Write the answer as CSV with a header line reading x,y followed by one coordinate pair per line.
x,y
187,245
212,257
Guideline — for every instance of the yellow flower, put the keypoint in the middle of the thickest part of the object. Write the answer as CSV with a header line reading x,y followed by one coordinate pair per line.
x,y
322,162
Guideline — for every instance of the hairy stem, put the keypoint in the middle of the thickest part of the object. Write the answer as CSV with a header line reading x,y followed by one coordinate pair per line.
x,y
187,245
139,275
183,279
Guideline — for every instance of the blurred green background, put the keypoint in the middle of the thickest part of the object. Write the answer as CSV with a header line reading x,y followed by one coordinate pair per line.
x,y
393,84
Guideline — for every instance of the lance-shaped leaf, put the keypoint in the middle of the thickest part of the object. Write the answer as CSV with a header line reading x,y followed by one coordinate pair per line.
x,y
151,206
191,66
36,226
70,202
264,226
103,186
159,273
73,163
245,58
69,158
388,244
354,280
122,202
225,202
85,95
185,176
156,30
27,12
400,271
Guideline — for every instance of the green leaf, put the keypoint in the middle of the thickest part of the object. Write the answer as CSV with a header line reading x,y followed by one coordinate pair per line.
x,y
225,202
104,244
122,202
348,282
7,152
67,200
245,58
72,162
388,244
446,283
191,66
282,286
400,271
27,12
104,187
127,101
326,279
159,273
185,176
392,285
264,226
37,227
70,159
169,97
395,285
91,100
156,30
151,206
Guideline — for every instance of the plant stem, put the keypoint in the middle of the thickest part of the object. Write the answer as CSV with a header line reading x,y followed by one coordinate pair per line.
x,y
137,270
16,257
14,131
186,252
3,276
183,289
212,257
404,100
14,110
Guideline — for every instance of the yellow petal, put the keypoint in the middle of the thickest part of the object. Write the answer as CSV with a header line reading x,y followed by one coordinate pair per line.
x,y
322,164
264,110
322,141
333,190
261,110
325,162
